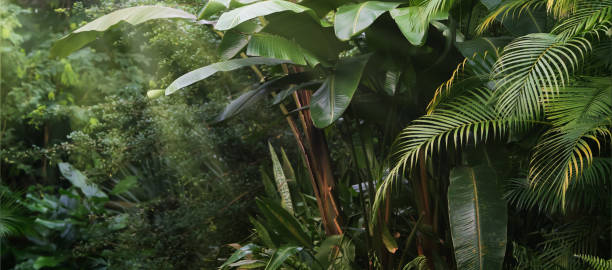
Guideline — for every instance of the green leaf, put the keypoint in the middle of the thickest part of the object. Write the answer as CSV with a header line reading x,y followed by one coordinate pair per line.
x,y
231,19
267,45
207,71
281,181
134,15
410,22
125,185
212,7
236,39
239,254
248,264
352,19
253,96
282,95
309,34
336,92
79,180
52,224
285,223
478,218
280,256
47,261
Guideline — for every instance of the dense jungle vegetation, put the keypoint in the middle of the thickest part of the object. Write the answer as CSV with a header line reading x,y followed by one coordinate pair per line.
x,y
312,134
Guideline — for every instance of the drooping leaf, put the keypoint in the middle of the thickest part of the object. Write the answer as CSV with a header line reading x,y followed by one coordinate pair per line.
x,y
80,181
336,92
410,22
231,19
352,19
272,46
309,34
132,15
251,97
282,95
478,218
212,7
281,255
207,71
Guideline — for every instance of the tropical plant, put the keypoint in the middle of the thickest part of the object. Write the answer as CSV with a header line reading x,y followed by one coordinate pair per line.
x,y
528,80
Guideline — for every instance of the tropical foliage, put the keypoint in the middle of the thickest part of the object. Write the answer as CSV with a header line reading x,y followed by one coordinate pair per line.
x,y
426,134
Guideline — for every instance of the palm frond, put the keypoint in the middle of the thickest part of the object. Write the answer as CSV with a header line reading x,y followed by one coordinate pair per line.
x,y
474,69
596,262
562,242
505,9
581,117
467,118
11,222
589,17
586,194
532,63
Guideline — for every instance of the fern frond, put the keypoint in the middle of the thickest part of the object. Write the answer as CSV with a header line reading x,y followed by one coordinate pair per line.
x,y
532,63
596,262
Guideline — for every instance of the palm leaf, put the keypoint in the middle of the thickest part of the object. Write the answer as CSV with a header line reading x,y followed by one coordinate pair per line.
x,y
596,262
586,194
468,118
589,16
581,117
531,64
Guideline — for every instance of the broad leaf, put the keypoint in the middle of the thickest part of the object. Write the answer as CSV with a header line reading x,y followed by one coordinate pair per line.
x,y
478,218
79,180
336,92
410,22
282,95
237,16
133,15
236,39
267,45
280,256
309,34
207,71
352,19
212,7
